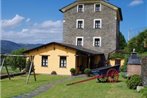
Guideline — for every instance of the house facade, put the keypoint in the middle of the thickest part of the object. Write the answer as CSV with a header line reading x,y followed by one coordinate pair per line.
x,y
92,24
90,33
61,58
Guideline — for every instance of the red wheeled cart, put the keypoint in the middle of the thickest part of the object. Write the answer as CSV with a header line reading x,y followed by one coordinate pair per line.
x,y
107,74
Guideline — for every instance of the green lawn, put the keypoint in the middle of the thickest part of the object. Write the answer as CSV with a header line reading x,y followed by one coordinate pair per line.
x,y
17,85
89,89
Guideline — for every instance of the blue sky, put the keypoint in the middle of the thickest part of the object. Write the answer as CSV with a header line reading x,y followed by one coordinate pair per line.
x,y
40,21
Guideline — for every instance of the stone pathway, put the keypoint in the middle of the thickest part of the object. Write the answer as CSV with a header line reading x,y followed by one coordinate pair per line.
x,y
44,88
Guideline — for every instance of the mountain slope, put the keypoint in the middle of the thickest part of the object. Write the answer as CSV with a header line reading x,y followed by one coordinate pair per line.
x,y
9,46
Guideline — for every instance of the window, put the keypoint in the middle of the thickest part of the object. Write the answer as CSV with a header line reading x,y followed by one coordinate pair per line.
x,y
63,62
79,41
97,7
80,8
97,41
80,23
97,24
44,61
117,62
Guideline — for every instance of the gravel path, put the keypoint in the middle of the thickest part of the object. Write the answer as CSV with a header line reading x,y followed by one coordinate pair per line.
x,y
44,88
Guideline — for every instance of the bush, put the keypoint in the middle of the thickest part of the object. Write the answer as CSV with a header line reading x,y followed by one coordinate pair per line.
x,y
53,73
117,55
73,71
124,75
123,68
87,71
144,92
133,81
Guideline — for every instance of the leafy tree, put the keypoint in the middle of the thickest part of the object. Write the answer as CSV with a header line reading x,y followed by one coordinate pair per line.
x,y
122,41
138,43
117,55
17,62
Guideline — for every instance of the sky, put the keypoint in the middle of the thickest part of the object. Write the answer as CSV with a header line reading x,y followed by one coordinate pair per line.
x,y
40,21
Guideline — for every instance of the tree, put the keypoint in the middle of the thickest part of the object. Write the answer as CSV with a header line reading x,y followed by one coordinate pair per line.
x,y
17,62
137,43
122,41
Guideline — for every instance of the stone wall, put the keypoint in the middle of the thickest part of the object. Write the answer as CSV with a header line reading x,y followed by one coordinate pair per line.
x,y
134,70
144,70
108,32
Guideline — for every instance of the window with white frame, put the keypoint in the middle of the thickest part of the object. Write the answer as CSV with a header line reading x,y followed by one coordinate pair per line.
x,y
44,61
79,41
97,7
80,23
80,8
63,62
97,41
97,23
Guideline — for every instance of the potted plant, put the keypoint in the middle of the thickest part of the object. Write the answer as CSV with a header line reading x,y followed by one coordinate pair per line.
x,y
73,71
53,73
87,71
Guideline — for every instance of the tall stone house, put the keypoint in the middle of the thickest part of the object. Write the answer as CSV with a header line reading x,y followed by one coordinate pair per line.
x,y
90,33
92,24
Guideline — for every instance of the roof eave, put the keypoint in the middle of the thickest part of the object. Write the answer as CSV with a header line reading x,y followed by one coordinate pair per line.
x,y
120,14
64,8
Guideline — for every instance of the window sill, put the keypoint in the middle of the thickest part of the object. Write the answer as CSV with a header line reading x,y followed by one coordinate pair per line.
x,y
44,66
97,28
62,67
98,11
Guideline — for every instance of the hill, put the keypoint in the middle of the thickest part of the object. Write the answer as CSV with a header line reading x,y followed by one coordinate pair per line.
x,y
9,46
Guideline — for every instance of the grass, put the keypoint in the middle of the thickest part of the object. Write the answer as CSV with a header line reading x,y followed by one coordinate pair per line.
x,y
17,86
90,89
144,92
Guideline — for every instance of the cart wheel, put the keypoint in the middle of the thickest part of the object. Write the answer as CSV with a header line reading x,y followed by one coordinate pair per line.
x,y
112,75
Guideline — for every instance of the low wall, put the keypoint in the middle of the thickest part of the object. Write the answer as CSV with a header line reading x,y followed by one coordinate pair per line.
x,y
144,71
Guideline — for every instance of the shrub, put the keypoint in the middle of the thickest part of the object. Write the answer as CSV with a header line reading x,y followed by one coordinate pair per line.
x,y
117,55
53,73
87,71
133,81
73,71
123,68
124,75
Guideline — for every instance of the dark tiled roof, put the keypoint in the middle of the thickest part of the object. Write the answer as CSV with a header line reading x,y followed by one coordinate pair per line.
x,y
134,59
78,48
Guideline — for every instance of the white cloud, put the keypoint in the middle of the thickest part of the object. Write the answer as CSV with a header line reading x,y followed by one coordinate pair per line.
x,y
28,20
51,24
43,32
136,2
10,23
24,30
